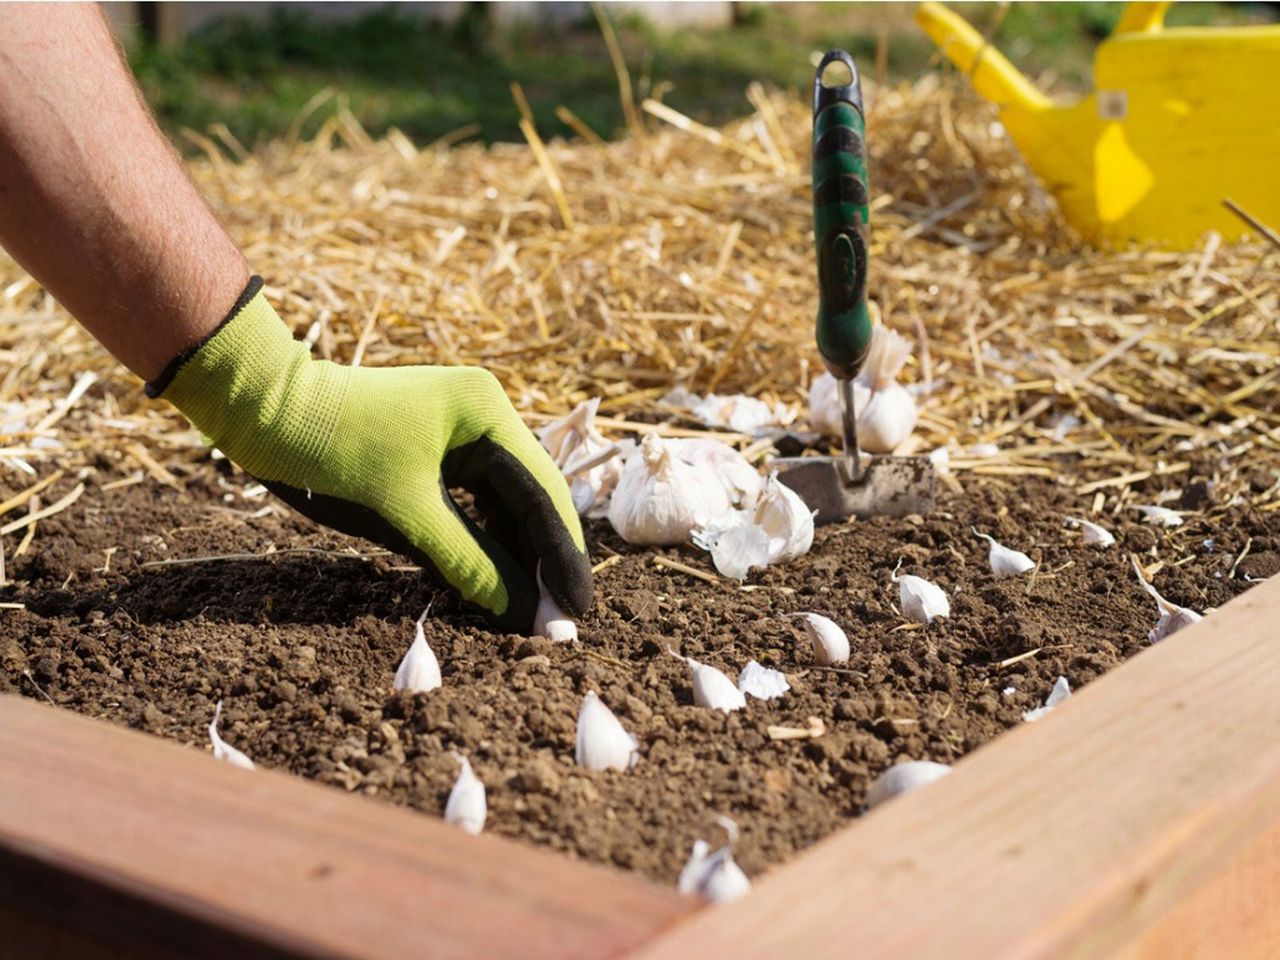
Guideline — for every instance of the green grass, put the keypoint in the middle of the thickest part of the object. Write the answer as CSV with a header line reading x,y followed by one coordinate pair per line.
x,y
428,79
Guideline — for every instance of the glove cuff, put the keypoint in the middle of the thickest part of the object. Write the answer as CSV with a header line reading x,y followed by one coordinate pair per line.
x,y
256,393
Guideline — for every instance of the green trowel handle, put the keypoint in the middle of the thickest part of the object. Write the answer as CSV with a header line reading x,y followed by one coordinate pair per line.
x,y
840,216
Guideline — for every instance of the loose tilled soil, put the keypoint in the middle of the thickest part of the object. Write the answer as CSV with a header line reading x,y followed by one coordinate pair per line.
x,y
303,647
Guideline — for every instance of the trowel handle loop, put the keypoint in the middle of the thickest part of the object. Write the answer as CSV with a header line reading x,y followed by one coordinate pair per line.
x,y
840,215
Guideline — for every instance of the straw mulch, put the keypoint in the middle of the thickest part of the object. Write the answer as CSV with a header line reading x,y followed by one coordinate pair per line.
x,y
682,255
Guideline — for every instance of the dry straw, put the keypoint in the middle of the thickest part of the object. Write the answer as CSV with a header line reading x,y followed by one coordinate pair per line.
x,y
682,255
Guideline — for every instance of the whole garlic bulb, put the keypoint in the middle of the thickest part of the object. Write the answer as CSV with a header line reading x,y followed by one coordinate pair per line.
x,y
419,671
466,806
921,599
661,499
602,742
890,414
786,519
1005,561
830,644
904,777
711,688
824,403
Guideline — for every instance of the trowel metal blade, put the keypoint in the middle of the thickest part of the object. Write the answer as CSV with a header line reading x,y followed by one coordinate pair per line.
x,y
889,486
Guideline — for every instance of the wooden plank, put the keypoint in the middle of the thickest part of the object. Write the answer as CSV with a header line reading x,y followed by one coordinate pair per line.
x,y
115,843
1142,818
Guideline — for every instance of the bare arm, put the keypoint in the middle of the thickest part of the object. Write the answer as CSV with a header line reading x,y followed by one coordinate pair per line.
x,y
94,203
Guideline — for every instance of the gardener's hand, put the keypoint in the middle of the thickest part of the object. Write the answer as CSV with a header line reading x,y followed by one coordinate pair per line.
x,y
372,452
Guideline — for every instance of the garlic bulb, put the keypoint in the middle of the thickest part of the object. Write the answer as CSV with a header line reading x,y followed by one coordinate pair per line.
x,y
1061,691
466,806
711,688
786,519
735,412
890,414
830,645
1005,561
921,600
715,876
762,683
549,620
741,481
824,403
736,544
419,671
223,750
1093,534
1172,617
904,777
1159,516
661,499
573,441
602,743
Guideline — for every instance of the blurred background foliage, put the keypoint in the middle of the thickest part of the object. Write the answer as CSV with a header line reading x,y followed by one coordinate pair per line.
x,y
393,67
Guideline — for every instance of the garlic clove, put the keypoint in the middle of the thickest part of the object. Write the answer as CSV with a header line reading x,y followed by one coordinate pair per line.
x,y
786,520
762,683
1159,516
466,806
830,644
1061,692
711,688
1093,534
602,742
921,599
1172,617
419,671
223,750
904,777
549,620
714,876
1005,561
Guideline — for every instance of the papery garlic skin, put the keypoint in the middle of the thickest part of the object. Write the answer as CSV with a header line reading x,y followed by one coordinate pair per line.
x,y
1005,561
1060,693
736,544
466,806
549,620
904,777
711,688
1159,516
661,499
741,481
830,644
574,439
223,750
824,403
1172,617
786,519
762,683
1094,535
922,600
602,742
419,671
736,412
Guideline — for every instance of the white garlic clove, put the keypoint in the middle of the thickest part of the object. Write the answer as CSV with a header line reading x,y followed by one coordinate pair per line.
x,y
466,806
549,620
921,599
887,420
1061,692
1005,561
741,481
714,876
419,671
711,688
786,520
223,750
661,499
830,645
1172,617
602,742
762,683
1093,534
736,544
902,778
1159,516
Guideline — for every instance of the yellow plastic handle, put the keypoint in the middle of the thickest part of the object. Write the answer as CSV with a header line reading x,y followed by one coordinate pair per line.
x,y
1142,17
994,77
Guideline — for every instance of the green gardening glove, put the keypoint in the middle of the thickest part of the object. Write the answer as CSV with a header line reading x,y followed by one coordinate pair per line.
x,y
373,453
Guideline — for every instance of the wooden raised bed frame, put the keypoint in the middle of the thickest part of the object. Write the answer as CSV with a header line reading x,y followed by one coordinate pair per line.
x,y
1141,819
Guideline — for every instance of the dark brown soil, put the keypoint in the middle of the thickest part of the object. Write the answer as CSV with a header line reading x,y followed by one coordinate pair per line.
x,y
303,647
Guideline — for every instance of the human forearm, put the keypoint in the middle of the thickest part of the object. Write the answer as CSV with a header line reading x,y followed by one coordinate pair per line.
x,y
93,200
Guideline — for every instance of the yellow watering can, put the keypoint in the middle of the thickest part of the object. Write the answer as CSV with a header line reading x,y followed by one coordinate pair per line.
x,y
1179,119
